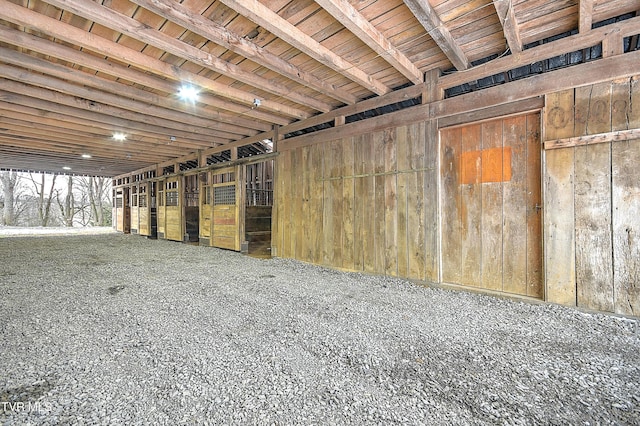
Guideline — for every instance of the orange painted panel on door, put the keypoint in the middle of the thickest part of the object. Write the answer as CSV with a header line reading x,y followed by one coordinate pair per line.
x,y
488,165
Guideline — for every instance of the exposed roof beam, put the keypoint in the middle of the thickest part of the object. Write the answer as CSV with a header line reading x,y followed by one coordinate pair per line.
x,y
134,29
107,103
47,100
57,50
585,17
198,24
272,22
100,141
76,142
432,23
353,20
142,101
59,30
45,112
545,51
507,18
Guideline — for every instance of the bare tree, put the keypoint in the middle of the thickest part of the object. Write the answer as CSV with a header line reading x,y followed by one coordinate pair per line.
x,y
98,192
44,197
10,180
67,208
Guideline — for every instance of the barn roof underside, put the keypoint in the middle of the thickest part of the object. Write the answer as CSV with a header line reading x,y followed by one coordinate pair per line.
x,y
74,73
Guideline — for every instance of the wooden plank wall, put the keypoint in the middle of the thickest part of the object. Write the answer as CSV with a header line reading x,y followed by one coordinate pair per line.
x,y
366,203
592,199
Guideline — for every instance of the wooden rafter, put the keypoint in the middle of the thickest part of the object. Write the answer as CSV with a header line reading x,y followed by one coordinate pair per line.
x,y
32,43
507,17
432,23
142,102
544,51
353,20
268,19
129,26
218,34
81,38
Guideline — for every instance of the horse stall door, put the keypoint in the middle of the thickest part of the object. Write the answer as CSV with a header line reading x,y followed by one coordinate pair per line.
x,y
135,217
144,227
206,208
126,199
191,208
258,208
161,210
491,198
226,226
173,209
121,211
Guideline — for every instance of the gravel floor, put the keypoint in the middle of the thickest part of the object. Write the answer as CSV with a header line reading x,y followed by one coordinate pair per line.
x,y
118,329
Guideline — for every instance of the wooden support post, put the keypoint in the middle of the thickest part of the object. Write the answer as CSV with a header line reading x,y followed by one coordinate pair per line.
x,y
202,158
339,120
277,137
234,153
612,45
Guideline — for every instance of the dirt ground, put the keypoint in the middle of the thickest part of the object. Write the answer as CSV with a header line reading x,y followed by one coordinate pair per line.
x,y
120,329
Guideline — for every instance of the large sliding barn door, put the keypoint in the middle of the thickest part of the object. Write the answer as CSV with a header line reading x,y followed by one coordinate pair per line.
x,y
491,198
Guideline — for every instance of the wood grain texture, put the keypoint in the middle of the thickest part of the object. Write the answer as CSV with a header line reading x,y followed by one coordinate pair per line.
x,y
514,239
403,164
450,200
432,201
626,227
390,203
471,213
416,199
348,205
533,191
492,202
594,271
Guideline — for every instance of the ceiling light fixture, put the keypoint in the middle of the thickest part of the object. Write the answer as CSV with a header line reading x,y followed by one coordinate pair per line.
x,y
86,155
120,137
66,168
188,93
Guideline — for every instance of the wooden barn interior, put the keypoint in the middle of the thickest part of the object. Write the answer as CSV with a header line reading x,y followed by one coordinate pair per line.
x,y
485,145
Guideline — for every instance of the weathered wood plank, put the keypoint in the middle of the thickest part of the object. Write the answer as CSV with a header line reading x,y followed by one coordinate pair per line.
x,y
620,104
316,207
416,202
451,242
514,236
617,136
327,211
534,207
391,203
431,200
337,201
559,217
297,220
594,263
369,204
403,165
379,203
348,204
626,227
285,220
470,195
634,107
492,202
358,202
305,226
